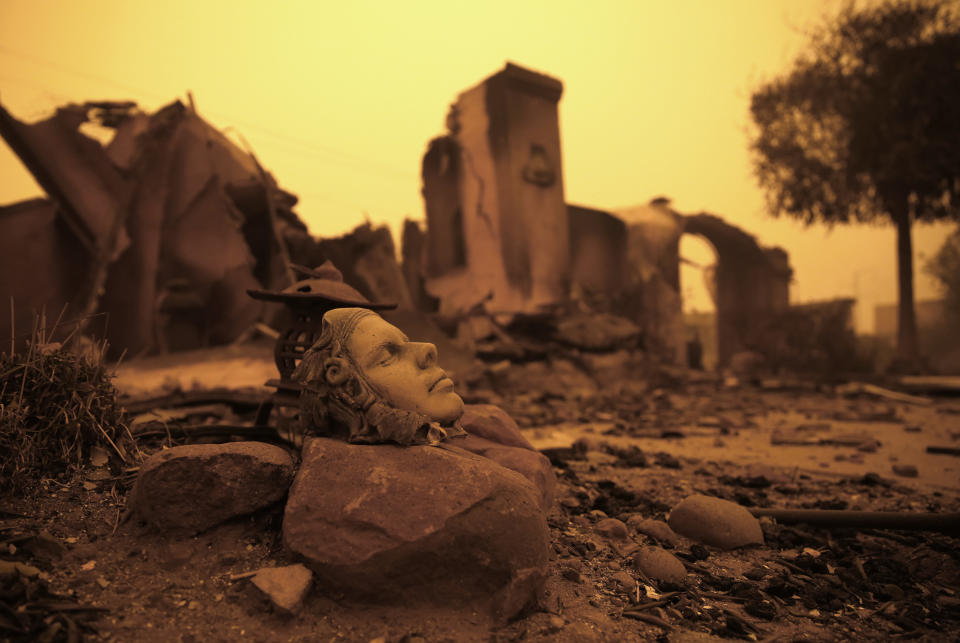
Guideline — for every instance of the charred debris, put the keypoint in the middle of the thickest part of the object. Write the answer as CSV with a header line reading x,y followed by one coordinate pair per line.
x,y
152,239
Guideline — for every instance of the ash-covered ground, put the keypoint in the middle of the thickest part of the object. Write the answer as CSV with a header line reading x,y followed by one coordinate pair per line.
x,y
624,453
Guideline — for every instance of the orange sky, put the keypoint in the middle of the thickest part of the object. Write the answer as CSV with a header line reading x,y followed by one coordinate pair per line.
x,y
339,100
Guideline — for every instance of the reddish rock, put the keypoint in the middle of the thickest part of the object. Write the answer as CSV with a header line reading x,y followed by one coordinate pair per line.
x,y
660,565
286,586
716,522
422,524
625,582
532,465
653,528
197,486
612,528
493,434
494,424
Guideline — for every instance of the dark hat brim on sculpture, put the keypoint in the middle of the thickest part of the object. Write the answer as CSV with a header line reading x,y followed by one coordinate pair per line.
x,y
325,285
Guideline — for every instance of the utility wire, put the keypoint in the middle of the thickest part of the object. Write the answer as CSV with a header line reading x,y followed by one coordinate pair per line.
x,y
317,149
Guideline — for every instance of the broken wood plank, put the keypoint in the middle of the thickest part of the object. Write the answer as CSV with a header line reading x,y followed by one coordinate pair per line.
x,y
855,388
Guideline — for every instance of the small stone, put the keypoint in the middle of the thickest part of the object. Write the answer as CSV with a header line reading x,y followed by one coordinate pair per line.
x,y
612,528
625,581
716,522
699,552
572,575
581,521
667,461
906,470
284,586
555,623
659,564
9,568
757,573
99,456
197,486
868,446
656,529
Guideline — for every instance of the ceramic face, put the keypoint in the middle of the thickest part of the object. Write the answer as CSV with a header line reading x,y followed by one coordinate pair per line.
x,y
404,372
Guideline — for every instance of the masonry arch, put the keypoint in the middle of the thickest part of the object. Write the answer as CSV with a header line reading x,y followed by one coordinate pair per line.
x,y
751,283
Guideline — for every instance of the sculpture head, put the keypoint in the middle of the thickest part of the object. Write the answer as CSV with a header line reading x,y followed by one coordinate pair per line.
x,y
365,378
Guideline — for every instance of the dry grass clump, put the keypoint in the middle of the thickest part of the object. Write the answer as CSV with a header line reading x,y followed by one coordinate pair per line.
x,y
55,405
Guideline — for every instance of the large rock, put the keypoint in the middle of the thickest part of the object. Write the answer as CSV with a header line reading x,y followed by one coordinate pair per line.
x,y
197,486
436,525
716,522
493,423
494,435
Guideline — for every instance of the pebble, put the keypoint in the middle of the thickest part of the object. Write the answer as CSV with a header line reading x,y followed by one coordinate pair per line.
x,y
716,522
625,581
660,565
572,575
656,529
284,586
905,470
556,623
868,446
612,528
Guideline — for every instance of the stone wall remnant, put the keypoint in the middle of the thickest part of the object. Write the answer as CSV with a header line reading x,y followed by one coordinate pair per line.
x,y
496,216
501,240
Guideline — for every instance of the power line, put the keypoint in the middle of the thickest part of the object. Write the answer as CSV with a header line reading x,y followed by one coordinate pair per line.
x,y
309,146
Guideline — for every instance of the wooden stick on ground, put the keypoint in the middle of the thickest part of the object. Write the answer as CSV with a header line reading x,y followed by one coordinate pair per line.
x,y
948,523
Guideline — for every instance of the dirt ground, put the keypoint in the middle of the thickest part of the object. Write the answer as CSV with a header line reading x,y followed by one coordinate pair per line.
x,y
629,452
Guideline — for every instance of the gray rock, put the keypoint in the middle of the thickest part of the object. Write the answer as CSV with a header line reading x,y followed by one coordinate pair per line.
x,y
612,528
656,529
659,564
197,486
423,524
715,522
286,587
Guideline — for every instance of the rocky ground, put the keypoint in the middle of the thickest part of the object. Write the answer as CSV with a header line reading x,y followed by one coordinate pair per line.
x,y
624,454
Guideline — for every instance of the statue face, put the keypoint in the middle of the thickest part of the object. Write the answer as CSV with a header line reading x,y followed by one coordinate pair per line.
x,y
404,372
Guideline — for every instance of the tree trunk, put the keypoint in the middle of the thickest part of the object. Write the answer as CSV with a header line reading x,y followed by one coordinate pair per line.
x,y
907,352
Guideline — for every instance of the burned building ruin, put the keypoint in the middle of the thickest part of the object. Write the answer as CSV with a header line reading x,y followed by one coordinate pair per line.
x,y
150,240
500,235
154,237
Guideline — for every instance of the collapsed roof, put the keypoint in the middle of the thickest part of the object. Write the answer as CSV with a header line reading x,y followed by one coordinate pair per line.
x,y
162,230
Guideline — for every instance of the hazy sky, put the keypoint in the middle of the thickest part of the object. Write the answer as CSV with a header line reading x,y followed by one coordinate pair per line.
x,y
339,100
